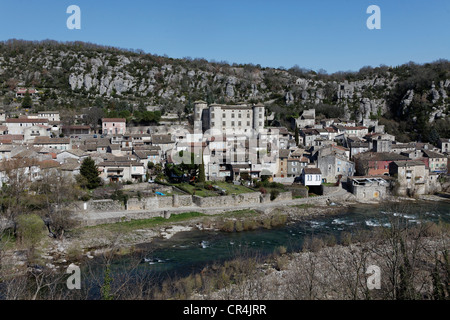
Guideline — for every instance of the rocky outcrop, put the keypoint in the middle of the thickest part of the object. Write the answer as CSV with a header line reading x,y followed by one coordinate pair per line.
x,y
73,73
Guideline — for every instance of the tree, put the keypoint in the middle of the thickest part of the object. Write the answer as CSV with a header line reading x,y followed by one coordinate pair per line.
x,y
106,287
93,117
90,171
56,191
201,172
296,136
27,102
30,231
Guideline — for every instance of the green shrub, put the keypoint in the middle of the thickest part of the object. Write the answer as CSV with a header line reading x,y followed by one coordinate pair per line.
x,y
250,224
278,220
228,226
239,226
274,194
30,230
267,223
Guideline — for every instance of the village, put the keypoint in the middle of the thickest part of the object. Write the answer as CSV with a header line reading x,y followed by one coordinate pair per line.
x,y
234,145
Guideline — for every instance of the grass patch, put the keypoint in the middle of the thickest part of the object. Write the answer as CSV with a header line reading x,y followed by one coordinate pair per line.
x,y
239,213
201,191
232,188
128,226
194,190
329,184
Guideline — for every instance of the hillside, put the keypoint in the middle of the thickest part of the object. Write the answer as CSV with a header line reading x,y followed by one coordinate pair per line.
x,y
411,100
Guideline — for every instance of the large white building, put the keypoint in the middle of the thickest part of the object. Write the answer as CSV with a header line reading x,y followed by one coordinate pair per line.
x,y
18,125
229,119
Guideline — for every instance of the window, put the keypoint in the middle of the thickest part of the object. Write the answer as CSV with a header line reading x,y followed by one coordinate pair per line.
x,y
248,115
248,123
317,178
260,116
232,123
232,115
239,123
223,123
239,115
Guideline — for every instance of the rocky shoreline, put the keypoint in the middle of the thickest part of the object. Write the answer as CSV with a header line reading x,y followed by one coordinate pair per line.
x,y
86,243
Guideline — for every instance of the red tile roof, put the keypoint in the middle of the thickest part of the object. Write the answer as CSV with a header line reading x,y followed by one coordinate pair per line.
x,y
17,120
113,120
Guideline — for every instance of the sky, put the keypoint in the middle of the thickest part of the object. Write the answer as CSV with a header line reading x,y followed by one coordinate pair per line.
x,y
321,34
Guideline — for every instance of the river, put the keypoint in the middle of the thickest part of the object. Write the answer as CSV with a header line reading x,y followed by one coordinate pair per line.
x,y
191,251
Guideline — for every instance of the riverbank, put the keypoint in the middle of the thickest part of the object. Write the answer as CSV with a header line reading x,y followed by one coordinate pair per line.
x,y
168,249
121,238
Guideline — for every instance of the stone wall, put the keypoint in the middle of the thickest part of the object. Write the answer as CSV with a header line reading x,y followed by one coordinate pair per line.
x,y
370,192
107,205
283,196
298,191
228,201
159,202
326,190
181,201
164,201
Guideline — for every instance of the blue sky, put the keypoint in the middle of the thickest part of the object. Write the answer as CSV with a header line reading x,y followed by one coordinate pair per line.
x,y
328,34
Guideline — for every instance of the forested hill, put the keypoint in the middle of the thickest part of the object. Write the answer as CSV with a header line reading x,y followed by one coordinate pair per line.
x,y
411,100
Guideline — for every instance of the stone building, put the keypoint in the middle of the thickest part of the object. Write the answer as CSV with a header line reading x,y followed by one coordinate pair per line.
x,y
412,177
228,119
311,177
114,126
308,118
368,188
444,144
435,161
375,163
381,145
335,166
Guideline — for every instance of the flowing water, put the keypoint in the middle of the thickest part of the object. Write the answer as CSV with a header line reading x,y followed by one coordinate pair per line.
x,y
188,252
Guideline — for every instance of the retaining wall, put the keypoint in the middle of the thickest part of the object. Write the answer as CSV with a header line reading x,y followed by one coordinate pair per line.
x,y
181,201
329,189
107,205
228,201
